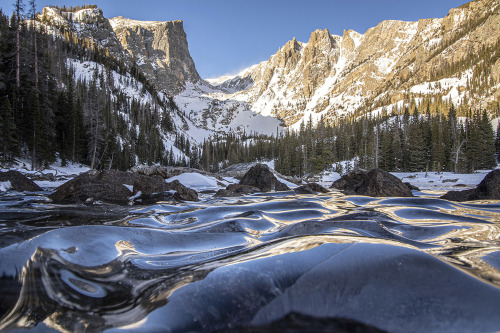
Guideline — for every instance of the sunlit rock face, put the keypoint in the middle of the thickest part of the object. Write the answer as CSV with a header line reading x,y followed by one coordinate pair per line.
x,y
331,76
159,50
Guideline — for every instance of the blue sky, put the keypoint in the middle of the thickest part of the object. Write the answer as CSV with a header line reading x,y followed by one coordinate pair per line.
x,y
226,36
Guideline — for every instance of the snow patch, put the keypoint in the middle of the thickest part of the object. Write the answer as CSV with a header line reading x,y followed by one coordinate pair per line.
x,y
5,186
196,181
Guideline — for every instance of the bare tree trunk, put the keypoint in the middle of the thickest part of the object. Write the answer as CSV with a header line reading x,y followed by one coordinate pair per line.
x,y
95,145
74,140
18,57
33,153
36,61
457,155
19,8
376,143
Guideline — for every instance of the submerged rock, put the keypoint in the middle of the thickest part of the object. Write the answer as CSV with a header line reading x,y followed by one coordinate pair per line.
x,y
297,322
488,189
261,176
374,183
19,182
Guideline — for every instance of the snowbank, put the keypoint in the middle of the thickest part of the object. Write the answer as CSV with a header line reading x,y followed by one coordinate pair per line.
x,y
5,186
442,181
198,181
24,166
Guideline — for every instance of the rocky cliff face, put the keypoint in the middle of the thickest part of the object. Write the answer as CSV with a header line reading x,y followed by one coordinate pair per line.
x,y
158,49
330,76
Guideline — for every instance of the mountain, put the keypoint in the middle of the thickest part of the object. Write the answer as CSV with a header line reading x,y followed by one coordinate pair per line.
x,y
450,59
453,58
159,51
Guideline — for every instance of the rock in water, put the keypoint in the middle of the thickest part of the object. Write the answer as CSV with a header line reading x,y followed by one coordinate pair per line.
x,y
310,188
411,186
304,189
148,185
183,193
263,178
281,187
93,186
375,183
317,188
236,190
488,189
19,182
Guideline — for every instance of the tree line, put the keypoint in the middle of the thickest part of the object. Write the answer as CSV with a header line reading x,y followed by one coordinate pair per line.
x,y
405,140
47,112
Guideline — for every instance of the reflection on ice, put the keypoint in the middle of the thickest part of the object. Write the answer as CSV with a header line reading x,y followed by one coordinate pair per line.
x,y
398,264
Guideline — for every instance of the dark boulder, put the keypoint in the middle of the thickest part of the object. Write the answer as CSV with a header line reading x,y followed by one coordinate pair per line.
x,y
459,196
374,183
151,189
148,185
236,190
19,182
183,193
488,189
311,188
318,188
90,187
262,177
281,187
411,187
350,183
153,198
122,177
109,186
304,189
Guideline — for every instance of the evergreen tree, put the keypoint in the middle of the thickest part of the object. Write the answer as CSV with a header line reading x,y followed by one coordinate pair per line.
x,y
486,142
9,142
497,142
417,148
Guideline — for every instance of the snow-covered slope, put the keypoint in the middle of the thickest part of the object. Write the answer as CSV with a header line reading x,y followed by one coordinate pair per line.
x,y
159,51
328,77
331,76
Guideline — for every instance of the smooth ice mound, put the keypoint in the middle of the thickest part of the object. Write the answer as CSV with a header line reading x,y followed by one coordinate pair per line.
x,y
394,264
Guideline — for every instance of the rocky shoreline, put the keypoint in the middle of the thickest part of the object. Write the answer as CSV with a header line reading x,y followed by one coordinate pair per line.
x,y
148,185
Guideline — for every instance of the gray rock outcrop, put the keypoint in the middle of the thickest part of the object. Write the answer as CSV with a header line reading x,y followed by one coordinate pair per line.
x,y
374,183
